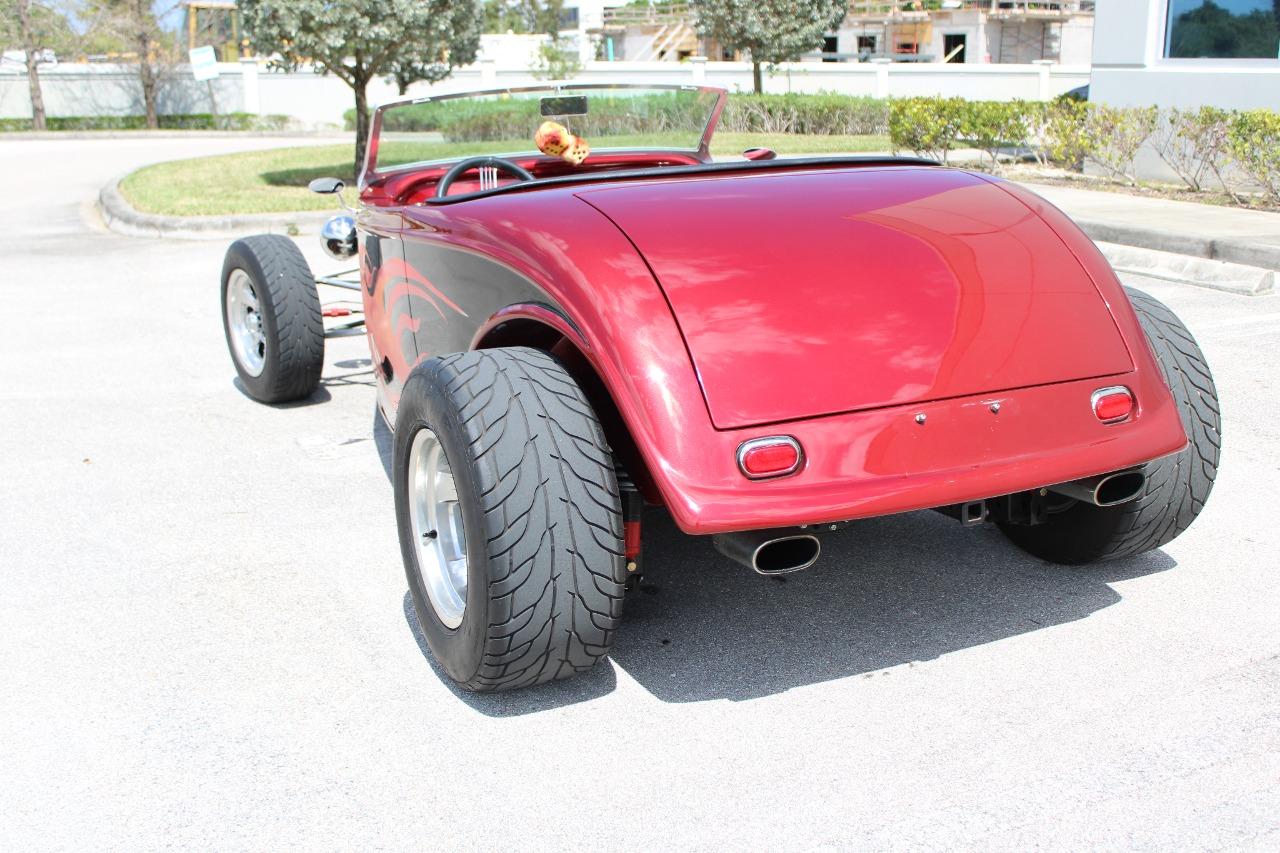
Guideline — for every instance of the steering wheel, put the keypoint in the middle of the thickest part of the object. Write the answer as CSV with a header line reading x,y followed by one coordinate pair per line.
x,y
456,170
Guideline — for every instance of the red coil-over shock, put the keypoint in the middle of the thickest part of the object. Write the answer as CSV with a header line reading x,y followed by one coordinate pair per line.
x,y
632,510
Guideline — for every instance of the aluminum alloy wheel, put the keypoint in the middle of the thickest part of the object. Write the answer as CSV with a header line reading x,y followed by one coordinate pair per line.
x,y
244,322
436,519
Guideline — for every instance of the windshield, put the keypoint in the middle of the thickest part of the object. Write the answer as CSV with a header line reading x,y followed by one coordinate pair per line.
x,y
604,117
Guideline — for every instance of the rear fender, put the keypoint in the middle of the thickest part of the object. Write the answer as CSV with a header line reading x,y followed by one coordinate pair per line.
x,y
603,301
1096,267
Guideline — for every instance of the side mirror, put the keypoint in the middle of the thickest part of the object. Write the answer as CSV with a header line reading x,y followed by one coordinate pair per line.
x,y
326,186
331,186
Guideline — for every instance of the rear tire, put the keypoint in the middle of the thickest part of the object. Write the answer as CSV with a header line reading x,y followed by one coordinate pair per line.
x,y
271,318
1176,487
533,482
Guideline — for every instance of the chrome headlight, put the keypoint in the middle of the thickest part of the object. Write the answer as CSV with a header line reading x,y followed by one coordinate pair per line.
x,y
338,236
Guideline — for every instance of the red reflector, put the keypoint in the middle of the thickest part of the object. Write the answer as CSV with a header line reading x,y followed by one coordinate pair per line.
x,y
1112,404
769,457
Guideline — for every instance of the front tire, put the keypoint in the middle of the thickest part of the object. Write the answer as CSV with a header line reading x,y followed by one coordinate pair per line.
x,y
271,318
1176,487
515,562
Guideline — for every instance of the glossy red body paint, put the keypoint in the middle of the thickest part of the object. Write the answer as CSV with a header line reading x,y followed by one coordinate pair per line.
x,y
874,312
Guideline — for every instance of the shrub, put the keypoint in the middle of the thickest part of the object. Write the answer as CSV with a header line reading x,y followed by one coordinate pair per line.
x,y
1193,142
796,113
994,126
1115,134
188,121
1254,141
929,127
1063,133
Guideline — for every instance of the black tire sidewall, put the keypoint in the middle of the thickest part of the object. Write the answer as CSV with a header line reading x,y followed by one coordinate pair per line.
x,y
239,256
423,404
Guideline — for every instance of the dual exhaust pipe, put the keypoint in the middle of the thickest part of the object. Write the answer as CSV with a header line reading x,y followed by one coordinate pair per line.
x,y
791,549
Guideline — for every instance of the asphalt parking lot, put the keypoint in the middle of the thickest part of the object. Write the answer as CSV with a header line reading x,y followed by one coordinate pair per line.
x,y
206,642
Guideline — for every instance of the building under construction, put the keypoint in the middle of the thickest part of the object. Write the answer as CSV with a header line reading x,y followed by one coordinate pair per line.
x,y
1011,31
214,23
1014,31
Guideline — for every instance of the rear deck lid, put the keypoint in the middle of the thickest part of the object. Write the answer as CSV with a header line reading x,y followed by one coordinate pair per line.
x,y
809,293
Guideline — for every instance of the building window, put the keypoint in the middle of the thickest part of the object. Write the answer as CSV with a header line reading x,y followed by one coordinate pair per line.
x,y
830,47
1223,29
953,46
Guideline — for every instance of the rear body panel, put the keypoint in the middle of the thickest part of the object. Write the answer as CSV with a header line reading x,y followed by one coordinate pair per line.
x,y
839,291
556,261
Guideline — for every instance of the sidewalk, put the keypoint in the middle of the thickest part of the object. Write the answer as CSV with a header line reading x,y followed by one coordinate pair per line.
x,y
1248,237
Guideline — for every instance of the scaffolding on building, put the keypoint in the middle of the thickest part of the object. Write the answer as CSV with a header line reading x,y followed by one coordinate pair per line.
x,y
898,29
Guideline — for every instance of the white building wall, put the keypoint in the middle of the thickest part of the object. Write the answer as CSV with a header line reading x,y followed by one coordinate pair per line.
x,y
1129,68
968,24
1077,41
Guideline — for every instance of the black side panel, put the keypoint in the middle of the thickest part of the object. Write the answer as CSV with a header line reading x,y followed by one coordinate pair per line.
x,y
451,293
387,313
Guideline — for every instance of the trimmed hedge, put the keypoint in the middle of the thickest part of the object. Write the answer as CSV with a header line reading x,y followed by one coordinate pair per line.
x,y
188,121
823,114
514,118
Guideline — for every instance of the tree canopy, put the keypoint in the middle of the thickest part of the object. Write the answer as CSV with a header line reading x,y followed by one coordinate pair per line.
x,y
771,31
50,28
359,40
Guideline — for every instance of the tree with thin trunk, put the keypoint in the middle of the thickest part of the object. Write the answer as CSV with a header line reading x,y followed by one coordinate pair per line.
x,y
32,48
771,31
360,40
135,23
36,27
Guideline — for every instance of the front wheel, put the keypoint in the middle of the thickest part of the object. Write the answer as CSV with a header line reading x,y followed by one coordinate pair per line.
x,y
509,518
271,317
1177,486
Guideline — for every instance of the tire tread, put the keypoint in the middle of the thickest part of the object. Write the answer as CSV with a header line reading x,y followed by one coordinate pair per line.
x,y
552,514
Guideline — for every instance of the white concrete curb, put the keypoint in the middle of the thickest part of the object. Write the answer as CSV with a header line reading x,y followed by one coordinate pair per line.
x,y
1234,251
1187,269
121,217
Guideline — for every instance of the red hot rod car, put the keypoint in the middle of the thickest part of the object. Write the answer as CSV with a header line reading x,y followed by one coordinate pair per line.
x,y
765,347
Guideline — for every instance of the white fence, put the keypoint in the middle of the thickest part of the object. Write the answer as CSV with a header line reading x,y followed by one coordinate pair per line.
x,y
316,100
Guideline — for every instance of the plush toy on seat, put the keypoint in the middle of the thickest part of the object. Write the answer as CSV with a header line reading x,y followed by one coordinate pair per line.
x,y
555,139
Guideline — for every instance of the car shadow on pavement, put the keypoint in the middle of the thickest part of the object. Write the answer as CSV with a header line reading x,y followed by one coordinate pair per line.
x,y
886,592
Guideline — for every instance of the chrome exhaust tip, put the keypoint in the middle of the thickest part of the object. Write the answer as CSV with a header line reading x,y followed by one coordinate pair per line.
x,y
770,552
1111,489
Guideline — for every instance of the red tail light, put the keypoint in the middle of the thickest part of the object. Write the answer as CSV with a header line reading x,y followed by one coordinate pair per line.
x,y
1112,405
775,456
